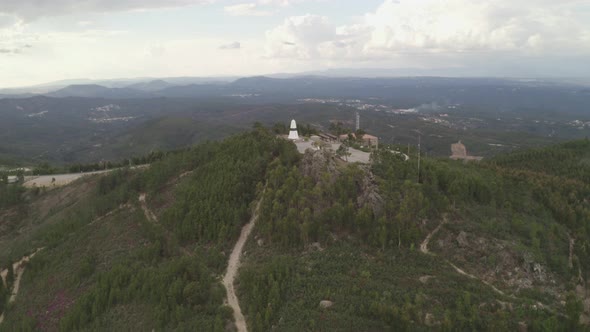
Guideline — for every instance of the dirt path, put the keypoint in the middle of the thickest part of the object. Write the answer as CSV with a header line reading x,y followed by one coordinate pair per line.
x,y
148,213
121,207
570,258
405,156
424,244
56,180
3,274
151,217
19,269
424,249
232,269
460,271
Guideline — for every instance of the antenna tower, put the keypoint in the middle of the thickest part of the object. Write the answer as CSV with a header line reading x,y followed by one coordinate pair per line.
x,y
419,149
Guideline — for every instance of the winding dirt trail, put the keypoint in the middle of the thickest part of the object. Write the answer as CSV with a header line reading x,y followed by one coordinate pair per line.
x,y
460,271
424,244
148,213
110,213
571,255
19,269
151,217
424,249
232,269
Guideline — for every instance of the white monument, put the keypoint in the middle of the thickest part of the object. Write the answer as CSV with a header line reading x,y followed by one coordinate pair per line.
x,y
293,131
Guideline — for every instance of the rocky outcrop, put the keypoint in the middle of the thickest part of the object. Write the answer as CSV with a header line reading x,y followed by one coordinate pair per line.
x,y
316,163
369,193
499,262
462,240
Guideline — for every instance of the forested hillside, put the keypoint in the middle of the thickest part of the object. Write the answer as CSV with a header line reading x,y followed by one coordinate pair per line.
x,y
105,265
569,160
497,245
508,248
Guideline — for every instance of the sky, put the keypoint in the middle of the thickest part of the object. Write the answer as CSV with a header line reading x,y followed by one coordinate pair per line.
x,y
48,40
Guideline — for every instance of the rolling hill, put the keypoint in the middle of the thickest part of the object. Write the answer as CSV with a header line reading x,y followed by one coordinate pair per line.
x,y
496,245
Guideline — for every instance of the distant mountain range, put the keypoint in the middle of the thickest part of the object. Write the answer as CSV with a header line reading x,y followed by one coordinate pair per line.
x,y
199,86
96,91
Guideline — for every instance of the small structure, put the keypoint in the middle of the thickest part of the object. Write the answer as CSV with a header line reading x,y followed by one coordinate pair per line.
x,y
371,140
460,152
293,134
328,137
368,140
12,179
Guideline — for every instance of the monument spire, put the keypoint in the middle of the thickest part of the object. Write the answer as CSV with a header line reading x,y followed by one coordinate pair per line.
x,y
293,134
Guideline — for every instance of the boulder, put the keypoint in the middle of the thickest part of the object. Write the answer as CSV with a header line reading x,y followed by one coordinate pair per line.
x,y
462,239
324,304
429,319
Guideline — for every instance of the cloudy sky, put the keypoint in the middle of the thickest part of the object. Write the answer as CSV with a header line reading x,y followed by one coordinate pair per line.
x,y
45,40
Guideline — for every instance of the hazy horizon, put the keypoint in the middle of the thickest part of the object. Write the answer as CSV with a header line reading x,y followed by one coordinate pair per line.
x,y
329,73
104,39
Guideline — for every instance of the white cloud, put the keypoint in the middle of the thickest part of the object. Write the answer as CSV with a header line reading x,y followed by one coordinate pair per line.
x,y
246,9
301,37
261,7
85,23
13,38
231,46
409,27
498,37
155,50
32,9
283,3
7,20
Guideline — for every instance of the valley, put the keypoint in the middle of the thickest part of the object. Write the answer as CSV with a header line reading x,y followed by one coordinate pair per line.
x,y
489,115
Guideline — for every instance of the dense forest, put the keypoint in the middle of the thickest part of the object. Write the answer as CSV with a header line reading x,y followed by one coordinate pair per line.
x,y
536,200
169,271
337,245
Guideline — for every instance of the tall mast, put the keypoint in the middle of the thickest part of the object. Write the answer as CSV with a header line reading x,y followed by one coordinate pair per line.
x,y
419,141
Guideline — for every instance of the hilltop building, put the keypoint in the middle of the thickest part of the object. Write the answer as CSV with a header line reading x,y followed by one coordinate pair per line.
x,y
459,152
368,140
293,134
329,138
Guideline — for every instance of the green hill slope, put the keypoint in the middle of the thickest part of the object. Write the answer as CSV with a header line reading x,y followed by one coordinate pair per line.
x,y
488,246
569,160
106,265
510,247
